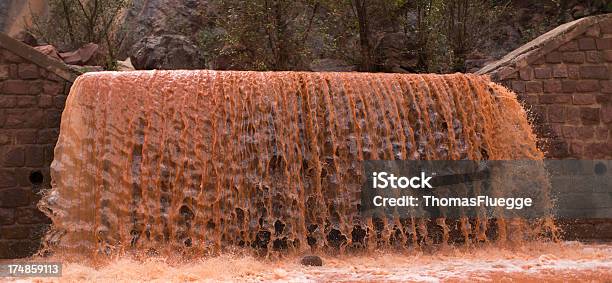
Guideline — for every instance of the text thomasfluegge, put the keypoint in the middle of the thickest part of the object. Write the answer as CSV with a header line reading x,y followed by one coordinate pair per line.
x,y
385,180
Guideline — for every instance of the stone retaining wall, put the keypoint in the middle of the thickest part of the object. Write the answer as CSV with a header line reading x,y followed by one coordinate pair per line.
x,y
31,102
564,79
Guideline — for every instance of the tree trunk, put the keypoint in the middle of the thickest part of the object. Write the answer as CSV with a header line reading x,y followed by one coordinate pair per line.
x,y
361,12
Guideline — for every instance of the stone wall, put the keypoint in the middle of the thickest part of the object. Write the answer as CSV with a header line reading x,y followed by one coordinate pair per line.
x,y
568,92
31,102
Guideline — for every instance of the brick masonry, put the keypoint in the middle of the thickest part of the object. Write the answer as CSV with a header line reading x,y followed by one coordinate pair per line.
x,y
564,80
31,102
568,92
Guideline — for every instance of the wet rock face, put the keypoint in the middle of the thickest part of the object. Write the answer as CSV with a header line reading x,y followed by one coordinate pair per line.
x,y
166,52
312,260
395,53
161,17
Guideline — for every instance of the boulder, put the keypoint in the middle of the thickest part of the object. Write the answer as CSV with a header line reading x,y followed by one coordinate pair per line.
x,y
166,52
48,50
125,65
88,54
395,52
311,260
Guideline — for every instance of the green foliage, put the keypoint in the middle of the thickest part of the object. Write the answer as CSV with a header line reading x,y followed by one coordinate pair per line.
x,y
260,34
73,23
447,30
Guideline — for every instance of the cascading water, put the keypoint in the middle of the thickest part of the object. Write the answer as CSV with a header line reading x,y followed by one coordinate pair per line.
x,y
204,160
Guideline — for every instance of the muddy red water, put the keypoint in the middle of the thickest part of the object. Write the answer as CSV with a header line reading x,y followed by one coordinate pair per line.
x,y
202,160
161,174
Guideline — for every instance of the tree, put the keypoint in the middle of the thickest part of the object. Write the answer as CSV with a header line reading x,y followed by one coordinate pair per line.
x,y
360,10
72,23
263,34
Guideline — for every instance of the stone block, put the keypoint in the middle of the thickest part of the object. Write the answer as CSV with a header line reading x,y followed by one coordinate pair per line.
x,y
529,99
14,197
583,99
18,248
559,71
14,71
7,101
533,87
602,98
598,150
12,57
54,77
552,86
25,136
34,156
17,231
606,27
554,57
53,88
587,85
526,73
558,148
607,55
569,46
570,132
49,149
573,115
21,87
594,72
52,118
601,133
573,72
518,86
606,114
22,175
593,31
7,178
585,132
556,113
539,61
594,56
606,86
48,136
23,118
45,101
542,72
7,216
576,149
589,115
5,135
573,57
60,101
30,215
28,71
14,157
604,43
4,72
25,101
587,44
568,86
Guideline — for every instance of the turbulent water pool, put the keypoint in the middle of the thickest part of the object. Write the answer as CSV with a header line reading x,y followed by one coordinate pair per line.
x,y
556,262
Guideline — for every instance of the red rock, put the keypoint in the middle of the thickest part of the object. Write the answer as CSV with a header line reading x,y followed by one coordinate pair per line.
x,y
48,50
80,56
